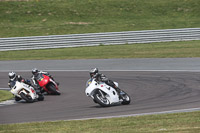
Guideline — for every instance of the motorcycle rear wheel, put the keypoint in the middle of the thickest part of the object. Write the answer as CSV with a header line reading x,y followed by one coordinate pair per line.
x,y
26,98
101,100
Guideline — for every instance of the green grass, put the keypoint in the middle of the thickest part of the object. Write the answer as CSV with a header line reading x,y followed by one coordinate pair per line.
x,y
178,122
152,50
5,95
58,17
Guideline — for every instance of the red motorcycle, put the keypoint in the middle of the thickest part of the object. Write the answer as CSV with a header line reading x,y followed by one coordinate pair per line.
x,y
48,84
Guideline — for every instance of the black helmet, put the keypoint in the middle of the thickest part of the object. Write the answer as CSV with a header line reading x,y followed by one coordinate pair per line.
x,y
35,71
12,75
93,72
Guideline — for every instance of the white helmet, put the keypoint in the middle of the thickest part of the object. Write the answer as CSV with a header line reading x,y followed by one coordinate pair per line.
x,y
12,75
35,71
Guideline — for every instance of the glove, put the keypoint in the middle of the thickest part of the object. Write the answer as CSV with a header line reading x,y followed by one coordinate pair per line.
x,y
104,79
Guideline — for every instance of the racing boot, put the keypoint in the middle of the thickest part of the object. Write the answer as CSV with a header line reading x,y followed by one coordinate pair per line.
x,y
38,91
120,92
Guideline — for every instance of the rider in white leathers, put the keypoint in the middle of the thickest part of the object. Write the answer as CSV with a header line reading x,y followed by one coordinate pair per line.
x,y
13,77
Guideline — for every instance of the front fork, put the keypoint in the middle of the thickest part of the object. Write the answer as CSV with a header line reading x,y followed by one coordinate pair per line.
x,y
101,94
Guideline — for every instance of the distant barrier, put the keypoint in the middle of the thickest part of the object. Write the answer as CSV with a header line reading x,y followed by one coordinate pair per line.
x,y
92,39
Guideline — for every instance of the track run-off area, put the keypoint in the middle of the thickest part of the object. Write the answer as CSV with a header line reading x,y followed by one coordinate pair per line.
x,y
173,85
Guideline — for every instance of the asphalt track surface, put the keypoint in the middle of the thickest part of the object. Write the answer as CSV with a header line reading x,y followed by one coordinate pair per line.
x,y
165,64
150,91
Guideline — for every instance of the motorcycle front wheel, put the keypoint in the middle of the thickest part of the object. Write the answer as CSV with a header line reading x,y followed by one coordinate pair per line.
x,y
26,98
53,90
17,98
126,99
100,98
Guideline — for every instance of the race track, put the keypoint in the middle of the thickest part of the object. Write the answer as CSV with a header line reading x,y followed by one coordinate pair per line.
x,y
150,91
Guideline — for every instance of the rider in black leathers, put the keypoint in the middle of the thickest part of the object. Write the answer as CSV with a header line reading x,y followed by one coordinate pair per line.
x,y
94,73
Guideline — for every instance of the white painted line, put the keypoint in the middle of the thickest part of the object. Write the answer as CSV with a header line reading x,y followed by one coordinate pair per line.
x,y
8,102
151,113
128,70
107,70
5,89
131,115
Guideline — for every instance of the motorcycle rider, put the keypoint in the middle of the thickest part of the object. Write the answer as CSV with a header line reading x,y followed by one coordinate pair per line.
x,y
13,77
94,73
35,75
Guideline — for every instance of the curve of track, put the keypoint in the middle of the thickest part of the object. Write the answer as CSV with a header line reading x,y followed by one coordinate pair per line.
x,y
150,92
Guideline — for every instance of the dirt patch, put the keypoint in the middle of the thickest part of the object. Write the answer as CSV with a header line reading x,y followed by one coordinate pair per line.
x,y
79,23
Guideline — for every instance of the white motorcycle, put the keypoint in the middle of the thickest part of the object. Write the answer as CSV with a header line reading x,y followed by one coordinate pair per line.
x,y
104,94
23,91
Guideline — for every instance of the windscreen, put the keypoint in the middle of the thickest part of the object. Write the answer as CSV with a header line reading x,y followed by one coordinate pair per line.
x,y
40,77
88,82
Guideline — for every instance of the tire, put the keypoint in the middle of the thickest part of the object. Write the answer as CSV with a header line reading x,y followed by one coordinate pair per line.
x,y
94,101
126,99
26,98
103,101
52,89
17,98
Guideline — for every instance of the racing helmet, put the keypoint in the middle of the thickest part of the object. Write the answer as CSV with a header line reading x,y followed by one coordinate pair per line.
x,y
35,71
93,72
12,75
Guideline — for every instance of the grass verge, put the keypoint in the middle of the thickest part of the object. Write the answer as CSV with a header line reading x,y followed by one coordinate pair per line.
x,y
58,17
178,122
151,50
5,95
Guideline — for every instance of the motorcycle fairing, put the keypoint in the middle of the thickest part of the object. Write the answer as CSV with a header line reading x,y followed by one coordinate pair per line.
x,y
43,80
111,93
20,87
